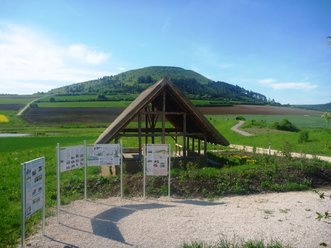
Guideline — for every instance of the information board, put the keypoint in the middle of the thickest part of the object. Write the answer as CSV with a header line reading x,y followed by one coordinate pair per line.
x,y
104,154
156,159
34,185
72,157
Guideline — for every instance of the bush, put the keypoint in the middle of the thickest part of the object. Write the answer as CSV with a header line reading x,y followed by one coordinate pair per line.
x,y
285,125
240,118
303,136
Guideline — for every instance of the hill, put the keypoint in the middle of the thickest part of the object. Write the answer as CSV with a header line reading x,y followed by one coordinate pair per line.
x,y
319,107
193,84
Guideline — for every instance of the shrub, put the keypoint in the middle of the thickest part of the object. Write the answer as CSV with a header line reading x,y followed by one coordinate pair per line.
x,y
240,118
285,125
303,136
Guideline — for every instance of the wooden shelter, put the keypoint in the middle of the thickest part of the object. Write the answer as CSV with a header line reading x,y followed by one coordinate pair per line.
x,y
163,111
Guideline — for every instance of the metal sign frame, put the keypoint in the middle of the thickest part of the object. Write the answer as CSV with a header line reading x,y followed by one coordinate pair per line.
x,y
24,170
168,165
58,173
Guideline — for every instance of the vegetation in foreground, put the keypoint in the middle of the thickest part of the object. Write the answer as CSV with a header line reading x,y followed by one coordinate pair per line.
x,y
236,174
243,244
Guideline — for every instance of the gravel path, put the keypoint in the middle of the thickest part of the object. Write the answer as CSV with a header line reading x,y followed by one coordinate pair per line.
x,y
236,129
115,222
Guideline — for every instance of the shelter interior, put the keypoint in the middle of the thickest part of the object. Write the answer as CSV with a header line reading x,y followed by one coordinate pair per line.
x,y
162,114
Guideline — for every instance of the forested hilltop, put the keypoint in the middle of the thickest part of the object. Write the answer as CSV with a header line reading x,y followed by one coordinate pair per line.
x,y
193,84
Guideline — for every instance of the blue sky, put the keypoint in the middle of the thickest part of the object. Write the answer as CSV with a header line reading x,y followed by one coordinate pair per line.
x,y
277,48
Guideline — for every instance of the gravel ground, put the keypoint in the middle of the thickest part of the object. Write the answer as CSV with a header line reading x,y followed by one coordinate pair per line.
x,y
115,222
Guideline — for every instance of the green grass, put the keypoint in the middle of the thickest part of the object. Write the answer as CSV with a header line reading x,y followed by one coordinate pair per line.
x,y
92,104
24,99
239,175
319,142
13,152
301,121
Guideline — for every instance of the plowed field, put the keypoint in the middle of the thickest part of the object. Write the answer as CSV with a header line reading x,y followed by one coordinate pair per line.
x,y
87,115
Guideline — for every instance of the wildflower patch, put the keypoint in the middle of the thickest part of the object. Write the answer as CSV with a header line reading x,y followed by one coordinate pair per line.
x,y
4,118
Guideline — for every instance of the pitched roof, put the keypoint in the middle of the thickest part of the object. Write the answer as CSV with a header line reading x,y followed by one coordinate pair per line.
x,y
175,102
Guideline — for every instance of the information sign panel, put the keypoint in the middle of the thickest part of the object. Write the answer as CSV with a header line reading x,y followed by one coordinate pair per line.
x,y
104,154
72,158
34,183
157,156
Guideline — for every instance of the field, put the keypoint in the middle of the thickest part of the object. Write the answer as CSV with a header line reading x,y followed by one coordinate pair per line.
x,y
17,99
71,115
67,126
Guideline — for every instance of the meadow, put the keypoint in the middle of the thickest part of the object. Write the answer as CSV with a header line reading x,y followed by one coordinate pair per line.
x,y
17,99
239,174
319,142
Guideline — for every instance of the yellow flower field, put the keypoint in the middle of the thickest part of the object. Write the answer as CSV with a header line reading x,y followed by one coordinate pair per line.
x,y
3,118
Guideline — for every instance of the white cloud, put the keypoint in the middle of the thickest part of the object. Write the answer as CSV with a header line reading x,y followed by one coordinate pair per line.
x,y
274,84
89,55
32,62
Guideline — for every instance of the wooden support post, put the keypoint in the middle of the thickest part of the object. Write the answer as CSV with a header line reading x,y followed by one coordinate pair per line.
x,y
153,121
199,146
184,135
193,148
163,117
139,137
205,149
146,125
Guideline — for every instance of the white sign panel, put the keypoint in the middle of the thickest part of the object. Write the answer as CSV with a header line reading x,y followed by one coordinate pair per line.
x,y
34,183
157,159
72,157
104,154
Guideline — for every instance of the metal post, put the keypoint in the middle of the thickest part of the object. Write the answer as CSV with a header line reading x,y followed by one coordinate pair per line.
x,y
23,205
58,183
121,164
85,171
169,168
144,165
44,199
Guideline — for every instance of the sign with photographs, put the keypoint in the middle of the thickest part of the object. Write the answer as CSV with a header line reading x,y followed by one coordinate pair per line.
x,y
104,154
34,185
157,156
72,157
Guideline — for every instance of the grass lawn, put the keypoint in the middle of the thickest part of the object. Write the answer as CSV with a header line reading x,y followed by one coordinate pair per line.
x,y
13,152
19,99
319,142
240,175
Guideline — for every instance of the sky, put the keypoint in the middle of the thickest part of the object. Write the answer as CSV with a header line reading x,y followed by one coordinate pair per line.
x,y
277,48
